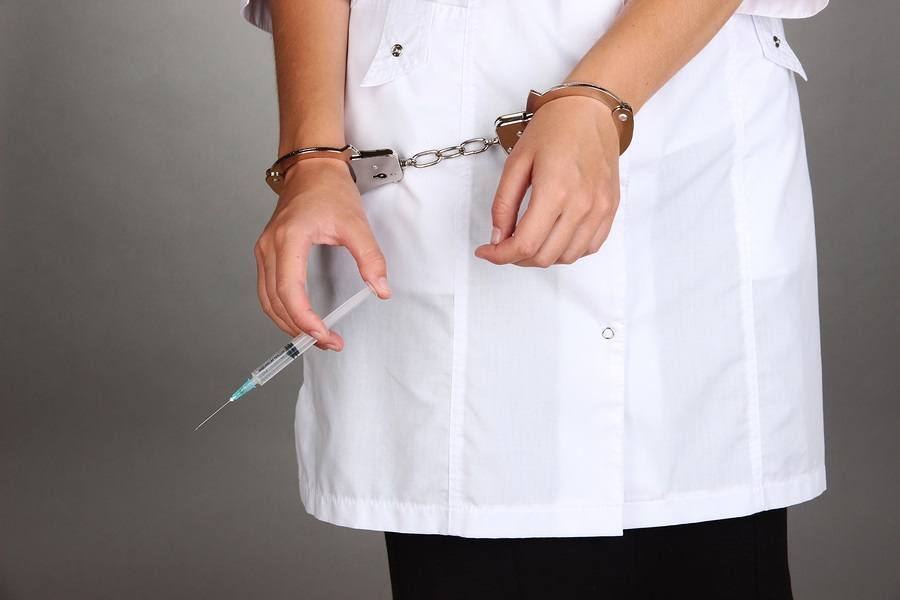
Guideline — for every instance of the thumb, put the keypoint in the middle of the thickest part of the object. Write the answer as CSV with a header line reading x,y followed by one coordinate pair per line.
x,y
514,181
369,259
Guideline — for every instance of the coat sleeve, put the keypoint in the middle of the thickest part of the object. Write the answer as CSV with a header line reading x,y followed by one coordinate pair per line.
x,y
786,9
257,13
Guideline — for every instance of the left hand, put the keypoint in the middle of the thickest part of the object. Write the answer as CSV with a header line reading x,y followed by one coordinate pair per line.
x,y
569,154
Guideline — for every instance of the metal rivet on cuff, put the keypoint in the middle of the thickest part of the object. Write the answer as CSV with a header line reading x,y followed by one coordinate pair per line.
x,y
396,50
776,40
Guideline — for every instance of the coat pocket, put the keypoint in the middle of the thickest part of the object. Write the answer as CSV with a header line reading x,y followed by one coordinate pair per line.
x,y
775,47
405,41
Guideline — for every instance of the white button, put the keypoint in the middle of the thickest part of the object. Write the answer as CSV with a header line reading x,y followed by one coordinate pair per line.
x,y
608,333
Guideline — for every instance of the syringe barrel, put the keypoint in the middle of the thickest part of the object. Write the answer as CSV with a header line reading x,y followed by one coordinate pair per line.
x,y
275,364
303,342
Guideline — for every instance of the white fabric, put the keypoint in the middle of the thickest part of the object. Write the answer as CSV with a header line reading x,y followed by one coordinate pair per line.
x,y
673,376
787,9
257,11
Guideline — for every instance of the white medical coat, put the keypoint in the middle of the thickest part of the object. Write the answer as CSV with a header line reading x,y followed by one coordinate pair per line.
x,y
672,377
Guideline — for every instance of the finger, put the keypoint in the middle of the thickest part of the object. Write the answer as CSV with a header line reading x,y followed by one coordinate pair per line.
x,y
530,233
600,236
581,239
269,261
337,341
290,282
588,215
556,243
360,241
263,295
514,182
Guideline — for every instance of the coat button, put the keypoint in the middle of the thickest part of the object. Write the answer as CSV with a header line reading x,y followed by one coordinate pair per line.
x,y
777,41
608,333
396,50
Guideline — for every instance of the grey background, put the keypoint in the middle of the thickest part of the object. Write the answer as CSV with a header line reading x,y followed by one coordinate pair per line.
x,y
134,137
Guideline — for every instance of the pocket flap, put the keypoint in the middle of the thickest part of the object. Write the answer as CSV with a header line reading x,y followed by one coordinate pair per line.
x,y
775,47
404,43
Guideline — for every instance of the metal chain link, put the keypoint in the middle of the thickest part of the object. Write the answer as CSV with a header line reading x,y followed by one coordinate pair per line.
x,y
429,158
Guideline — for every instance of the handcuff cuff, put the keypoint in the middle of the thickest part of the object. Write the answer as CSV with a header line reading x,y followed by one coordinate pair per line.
x,y
374,168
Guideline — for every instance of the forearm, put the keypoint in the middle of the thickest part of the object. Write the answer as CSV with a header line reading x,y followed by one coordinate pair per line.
x,y
648,43
310,41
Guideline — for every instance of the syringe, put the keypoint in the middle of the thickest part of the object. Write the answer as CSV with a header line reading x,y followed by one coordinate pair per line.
x,y
291,351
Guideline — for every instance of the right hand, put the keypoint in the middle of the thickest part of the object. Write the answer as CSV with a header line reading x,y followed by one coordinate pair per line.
x,y
319,204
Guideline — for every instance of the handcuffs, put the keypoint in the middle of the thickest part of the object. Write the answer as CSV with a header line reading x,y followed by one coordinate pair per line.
x,y
373,168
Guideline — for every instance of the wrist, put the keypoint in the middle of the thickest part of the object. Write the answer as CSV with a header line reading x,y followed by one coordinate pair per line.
x,y
305,168
620,113
276,175
597,113
288,144
613,80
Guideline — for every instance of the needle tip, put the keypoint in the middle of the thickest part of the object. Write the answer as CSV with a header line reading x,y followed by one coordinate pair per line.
x,y
212,415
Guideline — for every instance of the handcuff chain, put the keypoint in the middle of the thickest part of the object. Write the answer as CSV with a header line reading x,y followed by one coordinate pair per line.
x,y
429,158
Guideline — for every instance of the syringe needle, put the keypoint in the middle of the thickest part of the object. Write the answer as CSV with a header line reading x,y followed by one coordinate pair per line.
x,y
292,350
212,415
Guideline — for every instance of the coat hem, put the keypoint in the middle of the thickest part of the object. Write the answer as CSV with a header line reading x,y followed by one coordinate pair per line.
x,y
556,521
733,502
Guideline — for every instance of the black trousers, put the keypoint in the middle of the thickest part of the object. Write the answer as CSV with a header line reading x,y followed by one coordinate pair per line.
x,y
728,559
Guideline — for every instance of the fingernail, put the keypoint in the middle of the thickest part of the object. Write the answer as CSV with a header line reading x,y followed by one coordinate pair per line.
x,y
495,235
382,282
316,334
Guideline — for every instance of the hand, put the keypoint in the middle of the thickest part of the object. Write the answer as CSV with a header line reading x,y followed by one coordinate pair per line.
x,y
569,154
320,204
